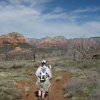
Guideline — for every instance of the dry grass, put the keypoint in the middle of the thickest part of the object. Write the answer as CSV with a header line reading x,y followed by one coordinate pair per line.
x,y
85,80
10,73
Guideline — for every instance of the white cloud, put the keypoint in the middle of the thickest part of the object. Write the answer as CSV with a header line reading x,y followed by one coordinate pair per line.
x,y
58,10
33,3
93,27
59,14
31,22
87,10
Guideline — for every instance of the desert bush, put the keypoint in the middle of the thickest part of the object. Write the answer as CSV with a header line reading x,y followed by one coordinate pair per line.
x,y
10,73
86,64
95,94
8,90
77,88
84,84
76,85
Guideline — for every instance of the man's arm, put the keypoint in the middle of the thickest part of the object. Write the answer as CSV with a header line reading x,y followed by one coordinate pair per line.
x,y
49,72
38,72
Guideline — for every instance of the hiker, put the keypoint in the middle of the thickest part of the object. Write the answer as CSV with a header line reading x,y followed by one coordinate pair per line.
x,y
43,74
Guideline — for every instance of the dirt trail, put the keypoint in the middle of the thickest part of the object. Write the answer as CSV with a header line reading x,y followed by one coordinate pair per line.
x,y
28,88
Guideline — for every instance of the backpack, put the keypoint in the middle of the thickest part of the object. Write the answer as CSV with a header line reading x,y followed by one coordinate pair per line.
x,y
43,74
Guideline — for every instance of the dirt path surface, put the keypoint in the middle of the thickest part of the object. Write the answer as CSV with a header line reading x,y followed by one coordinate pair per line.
x,y
28,88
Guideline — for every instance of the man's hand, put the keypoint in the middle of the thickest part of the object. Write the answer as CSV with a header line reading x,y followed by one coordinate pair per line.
x,y
50,79
50,67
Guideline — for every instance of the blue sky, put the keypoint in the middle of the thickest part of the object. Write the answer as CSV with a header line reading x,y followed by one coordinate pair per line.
x,y
41,18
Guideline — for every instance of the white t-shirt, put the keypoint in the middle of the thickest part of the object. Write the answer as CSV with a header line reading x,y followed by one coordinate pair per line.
x,y
48,71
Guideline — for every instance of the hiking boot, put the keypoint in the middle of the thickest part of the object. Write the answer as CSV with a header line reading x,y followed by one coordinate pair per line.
x,y
39,98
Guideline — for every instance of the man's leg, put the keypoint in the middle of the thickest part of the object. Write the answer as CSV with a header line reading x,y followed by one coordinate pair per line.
x,y
49,93
43,95
39,94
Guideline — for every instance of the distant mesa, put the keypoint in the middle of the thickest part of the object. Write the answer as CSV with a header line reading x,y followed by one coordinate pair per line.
x,y
13,38
52,42
19,37
18,40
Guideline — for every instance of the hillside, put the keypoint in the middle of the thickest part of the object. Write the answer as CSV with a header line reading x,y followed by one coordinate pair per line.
x,y
46,42
60,41
13,38
18,39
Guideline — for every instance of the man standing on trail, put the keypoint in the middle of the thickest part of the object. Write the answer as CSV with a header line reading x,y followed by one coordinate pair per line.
x,y
43,74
